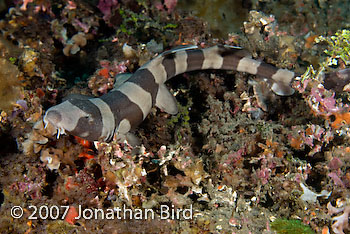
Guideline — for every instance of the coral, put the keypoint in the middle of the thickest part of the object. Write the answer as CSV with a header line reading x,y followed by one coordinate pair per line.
x,y
168,4
25,3
263,34
51,157
323,102
337,161
120,170
341,222
106,7
37,138
28,62
71,215
74,45
9,85
30,184
314,136
128,51
105,78
339,119
310,196
39,6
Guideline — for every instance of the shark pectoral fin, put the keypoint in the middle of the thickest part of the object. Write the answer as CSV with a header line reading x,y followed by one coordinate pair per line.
x,y
132,139
166,101
282,89
121,79
122,133
129,137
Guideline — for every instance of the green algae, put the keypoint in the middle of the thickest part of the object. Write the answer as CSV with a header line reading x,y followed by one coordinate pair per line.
x,y
142,25
183,115
182,118
338,46
60,227
13,60
285,226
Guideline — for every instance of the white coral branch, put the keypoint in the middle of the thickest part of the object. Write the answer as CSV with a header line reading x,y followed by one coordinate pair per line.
x,y
341,222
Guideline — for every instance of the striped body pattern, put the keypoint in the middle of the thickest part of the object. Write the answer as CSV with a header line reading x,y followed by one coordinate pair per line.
x,y
125,107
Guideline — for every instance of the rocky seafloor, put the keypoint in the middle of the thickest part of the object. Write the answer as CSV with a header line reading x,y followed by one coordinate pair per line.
x,y
236,158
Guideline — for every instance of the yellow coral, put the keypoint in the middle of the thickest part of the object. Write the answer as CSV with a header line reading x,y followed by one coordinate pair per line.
x,y
28,62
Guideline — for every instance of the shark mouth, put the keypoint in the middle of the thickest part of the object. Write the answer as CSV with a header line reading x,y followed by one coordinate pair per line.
x,y
60,130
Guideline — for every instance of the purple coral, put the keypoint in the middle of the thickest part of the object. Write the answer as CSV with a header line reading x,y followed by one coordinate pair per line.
x,y
19,108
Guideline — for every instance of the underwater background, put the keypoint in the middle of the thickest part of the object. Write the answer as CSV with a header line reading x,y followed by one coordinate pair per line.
x,y
236,158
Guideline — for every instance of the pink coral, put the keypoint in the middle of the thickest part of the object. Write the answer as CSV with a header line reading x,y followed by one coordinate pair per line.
x,y
336,173
168,4
235,158
29,187
336,179
263,174
43,6
335,163
314,136
322,101
300,86
106,6
25,3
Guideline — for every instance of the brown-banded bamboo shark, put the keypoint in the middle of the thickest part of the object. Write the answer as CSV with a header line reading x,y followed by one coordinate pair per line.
x,y
127,105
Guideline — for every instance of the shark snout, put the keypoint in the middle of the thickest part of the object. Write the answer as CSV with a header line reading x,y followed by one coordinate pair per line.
x,y
53,117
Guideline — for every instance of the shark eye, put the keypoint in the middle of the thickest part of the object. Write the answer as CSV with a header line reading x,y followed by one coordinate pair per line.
x,y
89,118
